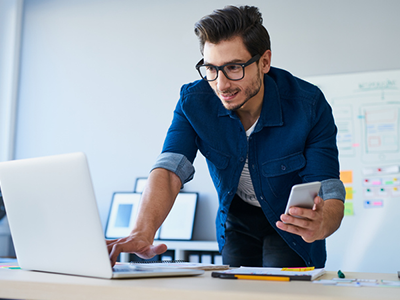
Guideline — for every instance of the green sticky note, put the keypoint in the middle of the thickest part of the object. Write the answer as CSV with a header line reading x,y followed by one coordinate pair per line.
x,y
348,208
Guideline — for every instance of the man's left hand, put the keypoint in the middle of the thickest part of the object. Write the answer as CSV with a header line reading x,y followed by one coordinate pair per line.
x,y
316,223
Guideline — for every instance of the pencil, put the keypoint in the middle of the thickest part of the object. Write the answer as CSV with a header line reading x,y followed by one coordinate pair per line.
x,y
255,277
260,277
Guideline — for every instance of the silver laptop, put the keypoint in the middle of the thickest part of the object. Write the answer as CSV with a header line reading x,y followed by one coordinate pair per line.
x,y
54,219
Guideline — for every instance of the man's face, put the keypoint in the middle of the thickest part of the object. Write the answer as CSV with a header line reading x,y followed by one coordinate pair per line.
x,y
234,95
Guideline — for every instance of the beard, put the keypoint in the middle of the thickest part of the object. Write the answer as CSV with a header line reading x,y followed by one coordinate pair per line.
x,y
249,93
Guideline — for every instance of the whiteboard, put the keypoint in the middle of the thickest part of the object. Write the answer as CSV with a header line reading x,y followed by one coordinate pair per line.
x,y
366,107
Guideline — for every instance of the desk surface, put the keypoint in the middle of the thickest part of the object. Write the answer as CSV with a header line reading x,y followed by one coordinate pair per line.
x,y
19,284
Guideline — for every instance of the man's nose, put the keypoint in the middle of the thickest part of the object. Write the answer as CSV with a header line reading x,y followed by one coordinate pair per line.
x,y
222,81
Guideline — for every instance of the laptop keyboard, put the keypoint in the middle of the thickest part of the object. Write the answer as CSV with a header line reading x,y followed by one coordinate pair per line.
x,y
125,269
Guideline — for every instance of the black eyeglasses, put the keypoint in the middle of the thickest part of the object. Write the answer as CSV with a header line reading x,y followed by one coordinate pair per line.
x,y
232,71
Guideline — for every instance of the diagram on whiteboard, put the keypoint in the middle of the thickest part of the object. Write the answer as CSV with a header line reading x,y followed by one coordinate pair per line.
x,y
366,108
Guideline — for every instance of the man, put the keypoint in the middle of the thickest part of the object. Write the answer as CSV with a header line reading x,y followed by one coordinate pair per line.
x,y
261,130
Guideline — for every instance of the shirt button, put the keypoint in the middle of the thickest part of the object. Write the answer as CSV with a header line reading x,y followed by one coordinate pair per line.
x,y
283,167
262,198
241,159
253,166
294,243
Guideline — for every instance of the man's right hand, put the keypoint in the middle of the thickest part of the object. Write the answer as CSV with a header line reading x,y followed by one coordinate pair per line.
x,y
133,244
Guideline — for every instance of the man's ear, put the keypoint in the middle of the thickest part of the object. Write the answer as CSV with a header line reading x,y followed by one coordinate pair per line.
x,y
265,61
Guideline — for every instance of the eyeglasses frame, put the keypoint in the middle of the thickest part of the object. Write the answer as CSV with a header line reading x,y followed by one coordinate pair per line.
x,y
221,68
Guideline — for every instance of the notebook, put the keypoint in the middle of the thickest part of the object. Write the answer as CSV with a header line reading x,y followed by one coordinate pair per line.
x,y
304,274
180,264
54,219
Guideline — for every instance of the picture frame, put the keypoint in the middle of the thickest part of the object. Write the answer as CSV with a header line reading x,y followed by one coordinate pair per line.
x,y
122,215
180,221
177,226
140,184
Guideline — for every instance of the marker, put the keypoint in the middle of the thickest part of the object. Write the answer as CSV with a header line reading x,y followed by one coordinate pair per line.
x,y
255,277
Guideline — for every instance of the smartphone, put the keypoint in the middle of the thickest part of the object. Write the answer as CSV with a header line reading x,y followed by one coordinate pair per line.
x,y
302,195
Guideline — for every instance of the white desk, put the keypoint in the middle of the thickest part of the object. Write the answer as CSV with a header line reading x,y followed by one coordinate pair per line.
x,y
19,284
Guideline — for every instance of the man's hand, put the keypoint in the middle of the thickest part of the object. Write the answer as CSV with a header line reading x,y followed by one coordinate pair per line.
x,y
133,244
315,224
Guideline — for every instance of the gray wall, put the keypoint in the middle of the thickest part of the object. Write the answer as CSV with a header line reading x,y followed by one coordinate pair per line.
x,y
103,77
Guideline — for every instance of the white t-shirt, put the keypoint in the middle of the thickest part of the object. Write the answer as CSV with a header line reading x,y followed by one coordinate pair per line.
x,y
245,188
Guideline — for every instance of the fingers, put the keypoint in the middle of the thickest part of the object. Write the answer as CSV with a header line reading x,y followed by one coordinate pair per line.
x,y
296,221
160,249
114,255
308,235
318,203
295,225
110,245
152,251
304,222
308,213
114,249
109,242
140,247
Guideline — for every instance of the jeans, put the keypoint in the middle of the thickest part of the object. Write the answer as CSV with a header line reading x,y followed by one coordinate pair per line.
x,y
251,241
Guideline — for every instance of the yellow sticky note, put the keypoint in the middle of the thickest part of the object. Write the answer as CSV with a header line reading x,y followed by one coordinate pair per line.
x,y
346,176
298,269
348,208
349,193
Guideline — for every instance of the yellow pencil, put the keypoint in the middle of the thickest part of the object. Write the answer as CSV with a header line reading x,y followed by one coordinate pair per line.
x,y
261,277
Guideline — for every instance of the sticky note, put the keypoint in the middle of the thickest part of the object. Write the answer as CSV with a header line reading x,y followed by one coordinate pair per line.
x,y
373,203
304,269
348,208
376,181
349,193
346,176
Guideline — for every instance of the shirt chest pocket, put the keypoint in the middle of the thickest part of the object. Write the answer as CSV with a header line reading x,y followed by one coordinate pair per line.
x,y
217,161
282,173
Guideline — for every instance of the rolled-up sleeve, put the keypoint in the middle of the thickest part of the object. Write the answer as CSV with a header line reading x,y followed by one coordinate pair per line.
x,y
332,189
176,163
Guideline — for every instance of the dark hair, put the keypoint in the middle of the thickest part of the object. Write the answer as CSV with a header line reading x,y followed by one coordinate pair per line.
x,y
231,21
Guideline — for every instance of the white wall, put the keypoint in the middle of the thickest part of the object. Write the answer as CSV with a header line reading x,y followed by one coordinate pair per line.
x,y
103,77
10,37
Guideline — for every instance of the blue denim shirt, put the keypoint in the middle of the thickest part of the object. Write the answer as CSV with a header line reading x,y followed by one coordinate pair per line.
x,y
293,142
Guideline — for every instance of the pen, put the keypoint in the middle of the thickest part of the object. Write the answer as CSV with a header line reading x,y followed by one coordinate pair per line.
x,y
255,277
